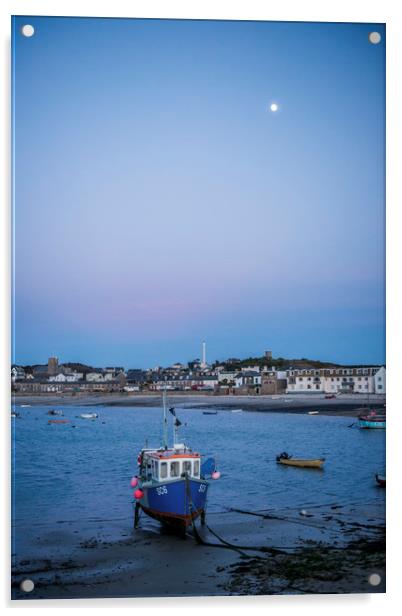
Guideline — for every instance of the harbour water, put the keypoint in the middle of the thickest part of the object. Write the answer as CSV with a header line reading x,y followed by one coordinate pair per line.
x,y
77,474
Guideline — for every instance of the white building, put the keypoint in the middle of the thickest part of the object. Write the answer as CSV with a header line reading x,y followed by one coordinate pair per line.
x,y
66,378
228,377
95,377
248,378
380,381
337,380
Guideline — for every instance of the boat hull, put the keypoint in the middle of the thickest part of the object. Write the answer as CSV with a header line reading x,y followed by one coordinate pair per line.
x,y
302,463
371,424
175,503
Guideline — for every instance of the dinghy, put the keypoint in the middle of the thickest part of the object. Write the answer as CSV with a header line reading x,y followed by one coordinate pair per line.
x,y
286,459
372,420
380,479
58,421
89,415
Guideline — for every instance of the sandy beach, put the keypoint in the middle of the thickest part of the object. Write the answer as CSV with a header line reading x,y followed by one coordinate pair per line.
x,y
330,549
346,405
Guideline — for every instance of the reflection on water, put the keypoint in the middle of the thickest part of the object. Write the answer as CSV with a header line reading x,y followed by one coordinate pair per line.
x,y
81,475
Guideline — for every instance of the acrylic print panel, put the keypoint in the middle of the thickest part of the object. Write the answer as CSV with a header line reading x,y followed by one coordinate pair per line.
x,y
198,369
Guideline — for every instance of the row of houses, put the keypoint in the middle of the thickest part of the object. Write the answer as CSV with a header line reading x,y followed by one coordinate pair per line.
x,y
367,380
247,380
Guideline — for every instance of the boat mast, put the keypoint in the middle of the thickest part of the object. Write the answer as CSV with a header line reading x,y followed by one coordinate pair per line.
x,y
165,426
174,432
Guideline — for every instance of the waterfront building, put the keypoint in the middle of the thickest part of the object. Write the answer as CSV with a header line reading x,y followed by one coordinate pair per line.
x,y
226,377
247,378
186,382
273,382
337,380
96,376
17,373
62,377
380,381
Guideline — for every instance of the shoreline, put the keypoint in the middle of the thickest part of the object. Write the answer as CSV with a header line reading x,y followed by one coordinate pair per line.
x,y
334,550
345,405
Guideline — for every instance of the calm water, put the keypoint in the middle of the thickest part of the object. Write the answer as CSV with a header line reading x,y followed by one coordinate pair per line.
x,y
61,474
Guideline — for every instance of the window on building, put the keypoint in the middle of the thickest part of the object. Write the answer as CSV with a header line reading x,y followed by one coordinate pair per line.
x,y
379,386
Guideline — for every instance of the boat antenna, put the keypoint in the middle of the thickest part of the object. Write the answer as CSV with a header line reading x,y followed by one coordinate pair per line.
x,y
165,426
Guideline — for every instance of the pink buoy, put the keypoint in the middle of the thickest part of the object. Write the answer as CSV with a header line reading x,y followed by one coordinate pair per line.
x,y
134,482
215,475
138,494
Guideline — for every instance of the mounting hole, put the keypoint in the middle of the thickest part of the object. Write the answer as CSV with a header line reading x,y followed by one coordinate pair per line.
x,y
28,30
27,585
374,579
375,38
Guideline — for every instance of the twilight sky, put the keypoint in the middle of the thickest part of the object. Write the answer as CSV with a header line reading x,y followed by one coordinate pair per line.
x,y
159,202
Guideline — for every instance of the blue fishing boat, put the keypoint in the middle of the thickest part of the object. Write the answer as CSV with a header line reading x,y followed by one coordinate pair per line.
x,y
372,420
172,483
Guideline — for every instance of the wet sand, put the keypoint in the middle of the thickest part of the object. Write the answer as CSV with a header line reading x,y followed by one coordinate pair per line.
x,y
328,549
344,405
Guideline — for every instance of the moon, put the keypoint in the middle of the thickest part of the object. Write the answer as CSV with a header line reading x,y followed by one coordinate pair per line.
x,y
274,107
28,30
375,38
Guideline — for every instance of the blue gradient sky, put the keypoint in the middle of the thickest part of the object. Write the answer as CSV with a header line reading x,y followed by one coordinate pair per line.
x,y
158,201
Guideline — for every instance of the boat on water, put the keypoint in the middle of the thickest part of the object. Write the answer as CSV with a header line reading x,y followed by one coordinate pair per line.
x,y
209,412
237,410
55,412
313,412
58,421
286,459
25,406
372,420
380,479
172,482
89,415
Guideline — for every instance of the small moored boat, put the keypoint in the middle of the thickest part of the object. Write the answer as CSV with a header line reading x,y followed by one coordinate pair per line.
x,y
380,479
89,415
55,412
286,459
58,421
209,412
372,420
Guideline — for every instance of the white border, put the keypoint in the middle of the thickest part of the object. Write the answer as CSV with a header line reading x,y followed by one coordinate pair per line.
x,y
290,10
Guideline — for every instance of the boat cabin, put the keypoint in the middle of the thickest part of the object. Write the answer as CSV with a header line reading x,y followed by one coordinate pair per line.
x,y
171,464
